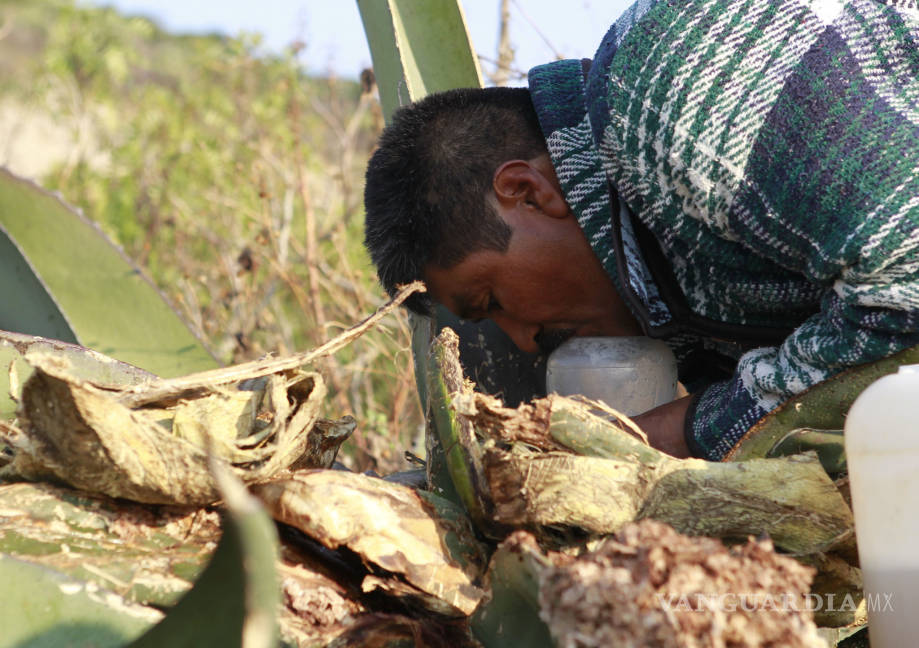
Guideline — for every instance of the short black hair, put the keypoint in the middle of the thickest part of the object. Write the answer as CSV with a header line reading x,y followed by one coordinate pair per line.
x,y
427,185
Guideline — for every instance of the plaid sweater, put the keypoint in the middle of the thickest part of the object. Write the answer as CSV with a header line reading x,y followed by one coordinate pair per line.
x,y
770,148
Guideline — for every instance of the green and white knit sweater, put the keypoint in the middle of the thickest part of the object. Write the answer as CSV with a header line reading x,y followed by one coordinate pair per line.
x,y
772,148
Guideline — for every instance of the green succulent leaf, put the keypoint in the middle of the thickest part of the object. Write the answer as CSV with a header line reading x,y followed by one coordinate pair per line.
x,y
822,407
510,617
418,48
235,602
42,608
147,557
62,278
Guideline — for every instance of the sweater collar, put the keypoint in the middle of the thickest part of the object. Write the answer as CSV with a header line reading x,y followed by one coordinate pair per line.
x,y
558,93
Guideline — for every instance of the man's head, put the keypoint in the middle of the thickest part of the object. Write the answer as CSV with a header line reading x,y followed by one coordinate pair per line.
x,y
427,184
462,194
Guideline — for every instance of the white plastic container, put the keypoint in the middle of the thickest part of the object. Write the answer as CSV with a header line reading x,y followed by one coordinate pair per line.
x,y
882,454
630,374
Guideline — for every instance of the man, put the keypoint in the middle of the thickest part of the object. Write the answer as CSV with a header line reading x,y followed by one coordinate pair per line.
x,y
738,178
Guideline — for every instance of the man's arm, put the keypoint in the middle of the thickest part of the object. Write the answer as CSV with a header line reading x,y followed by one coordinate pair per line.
x,y
665,426
845,333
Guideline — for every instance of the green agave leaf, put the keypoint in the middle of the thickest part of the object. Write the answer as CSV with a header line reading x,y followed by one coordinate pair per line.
x,y
456,453
28,306
510,617
450,472
418,48
146,556
822,407
62,278
828,444
235,601
41,608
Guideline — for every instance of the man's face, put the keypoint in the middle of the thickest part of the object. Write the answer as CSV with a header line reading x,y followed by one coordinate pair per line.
x,y
547,282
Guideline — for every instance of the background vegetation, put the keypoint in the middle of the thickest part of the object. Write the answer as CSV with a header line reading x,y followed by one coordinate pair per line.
x,y
233,177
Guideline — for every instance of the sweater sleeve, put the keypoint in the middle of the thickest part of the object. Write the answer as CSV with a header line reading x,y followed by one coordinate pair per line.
x,y
870,311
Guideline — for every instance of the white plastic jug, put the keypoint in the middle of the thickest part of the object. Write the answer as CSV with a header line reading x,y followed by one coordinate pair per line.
x,y
630,374
882,454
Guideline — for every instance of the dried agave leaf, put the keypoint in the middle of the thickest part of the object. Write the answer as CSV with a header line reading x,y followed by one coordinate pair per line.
x,y
119,441
391,527
623,479
173,389
597,495
839,581
293,406
102,370
259,425
315,607
793,500
78,433
222,418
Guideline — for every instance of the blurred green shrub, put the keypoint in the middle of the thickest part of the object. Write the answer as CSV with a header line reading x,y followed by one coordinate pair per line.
x,y
234,176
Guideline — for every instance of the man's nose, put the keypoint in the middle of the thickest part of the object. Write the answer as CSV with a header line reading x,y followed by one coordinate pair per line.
x,y
522,334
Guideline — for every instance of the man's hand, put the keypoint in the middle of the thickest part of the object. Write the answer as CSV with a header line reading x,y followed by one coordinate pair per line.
x,y
664,426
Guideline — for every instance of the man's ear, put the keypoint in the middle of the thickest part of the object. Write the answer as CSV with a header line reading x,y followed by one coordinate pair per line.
x,y
524,183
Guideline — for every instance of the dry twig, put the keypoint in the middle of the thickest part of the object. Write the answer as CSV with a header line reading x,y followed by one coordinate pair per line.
x,y
176,387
